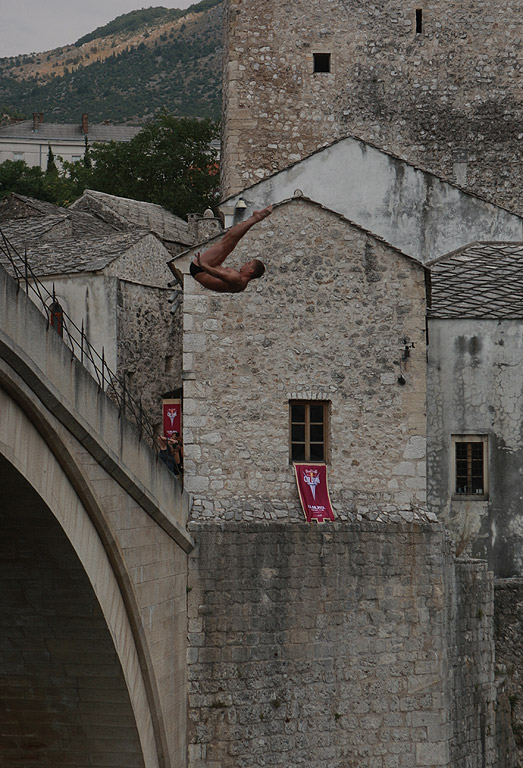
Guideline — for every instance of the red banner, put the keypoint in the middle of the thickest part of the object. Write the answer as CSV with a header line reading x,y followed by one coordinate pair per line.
x,y
172,417
311,480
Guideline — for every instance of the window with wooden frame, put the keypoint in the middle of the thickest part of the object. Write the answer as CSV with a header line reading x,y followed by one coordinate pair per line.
x,y
470,465
308,430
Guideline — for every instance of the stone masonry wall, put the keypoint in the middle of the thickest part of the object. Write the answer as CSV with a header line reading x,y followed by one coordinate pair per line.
x,y
470,635
144,263
328,321
149,344
509,652
447,99
334,646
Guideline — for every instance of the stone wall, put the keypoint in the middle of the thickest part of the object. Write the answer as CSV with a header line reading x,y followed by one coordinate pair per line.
x,y
144,263
446,99
509,652
348,644
470,637
328,321
149,344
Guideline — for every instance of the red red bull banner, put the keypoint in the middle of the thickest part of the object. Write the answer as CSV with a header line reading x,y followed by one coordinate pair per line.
x,y
172,417
311,480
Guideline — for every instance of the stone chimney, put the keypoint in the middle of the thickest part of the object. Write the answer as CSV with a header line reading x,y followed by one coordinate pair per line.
x,y
202,227
38,117
85,123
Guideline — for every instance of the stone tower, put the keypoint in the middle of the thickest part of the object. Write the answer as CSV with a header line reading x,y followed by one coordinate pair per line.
x,y
437,83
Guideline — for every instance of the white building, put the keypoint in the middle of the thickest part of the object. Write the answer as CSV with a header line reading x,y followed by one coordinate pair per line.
x,y
30,140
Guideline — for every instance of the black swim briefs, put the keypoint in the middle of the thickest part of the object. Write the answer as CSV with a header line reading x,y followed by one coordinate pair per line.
x,y
194,269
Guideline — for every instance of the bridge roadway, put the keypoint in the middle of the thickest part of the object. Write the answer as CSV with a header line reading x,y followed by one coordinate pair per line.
x,y
93,567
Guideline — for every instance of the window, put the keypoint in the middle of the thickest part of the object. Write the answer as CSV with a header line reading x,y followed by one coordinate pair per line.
x,y
308,430
18,155
470,465
56,317
322,62
419,20
76,158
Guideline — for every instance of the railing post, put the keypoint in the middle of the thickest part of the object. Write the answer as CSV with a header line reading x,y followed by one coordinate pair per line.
x,y
26,272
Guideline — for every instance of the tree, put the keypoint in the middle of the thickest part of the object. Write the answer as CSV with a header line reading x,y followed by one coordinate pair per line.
x,y
87,154
17,176
170,162
52,170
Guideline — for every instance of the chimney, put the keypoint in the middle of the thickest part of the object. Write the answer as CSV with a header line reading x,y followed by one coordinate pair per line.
x,y
38,118
85,123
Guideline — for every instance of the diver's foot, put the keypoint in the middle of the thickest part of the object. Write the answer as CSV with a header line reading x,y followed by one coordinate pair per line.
x,y
259,215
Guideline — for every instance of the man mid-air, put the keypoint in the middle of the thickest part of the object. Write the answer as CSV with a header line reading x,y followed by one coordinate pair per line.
x,y
207,269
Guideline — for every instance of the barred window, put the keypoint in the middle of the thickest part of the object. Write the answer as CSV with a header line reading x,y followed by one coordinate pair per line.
x,y
470,463
308,430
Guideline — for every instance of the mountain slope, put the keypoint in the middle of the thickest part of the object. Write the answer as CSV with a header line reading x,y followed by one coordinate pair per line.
x,y
126,70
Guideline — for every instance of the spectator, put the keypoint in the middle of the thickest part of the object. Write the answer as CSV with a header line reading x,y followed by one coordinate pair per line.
x,y
166,454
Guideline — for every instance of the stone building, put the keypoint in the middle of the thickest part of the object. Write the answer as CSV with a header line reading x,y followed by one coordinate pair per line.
x,y
438,85
474,401
110,277
329,324
363,642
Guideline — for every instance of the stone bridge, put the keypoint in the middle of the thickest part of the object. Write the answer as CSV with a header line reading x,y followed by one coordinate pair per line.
x,y
93,567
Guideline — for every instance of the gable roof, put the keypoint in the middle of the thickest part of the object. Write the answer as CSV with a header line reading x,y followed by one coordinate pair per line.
x,y
67,132
73,256
23,232
481,281
125,213
420,213
24,207
296,199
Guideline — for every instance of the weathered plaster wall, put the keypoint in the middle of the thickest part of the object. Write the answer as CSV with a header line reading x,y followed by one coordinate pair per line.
x,y
346,644
447,99
327,321
91,300
420,214
474,387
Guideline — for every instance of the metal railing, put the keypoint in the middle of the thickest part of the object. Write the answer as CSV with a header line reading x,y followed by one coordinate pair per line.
x,y
76,340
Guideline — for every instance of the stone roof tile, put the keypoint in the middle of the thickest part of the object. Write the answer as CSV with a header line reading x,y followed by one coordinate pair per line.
x,y
73,256
482,280
134,213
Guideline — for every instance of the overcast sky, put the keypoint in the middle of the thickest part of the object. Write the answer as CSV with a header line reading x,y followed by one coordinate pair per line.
x,y
28,26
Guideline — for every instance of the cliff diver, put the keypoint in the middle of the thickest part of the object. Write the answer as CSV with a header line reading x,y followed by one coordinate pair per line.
x,y
207,268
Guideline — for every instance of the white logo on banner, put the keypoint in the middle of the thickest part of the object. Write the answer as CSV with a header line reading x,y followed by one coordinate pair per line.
x,y
312,478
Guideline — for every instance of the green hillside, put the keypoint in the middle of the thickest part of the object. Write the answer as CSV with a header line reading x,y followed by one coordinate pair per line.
x,y
125,71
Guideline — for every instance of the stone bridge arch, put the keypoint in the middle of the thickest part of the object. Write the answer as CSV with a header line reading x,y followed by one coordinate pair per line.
x,y
94,561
